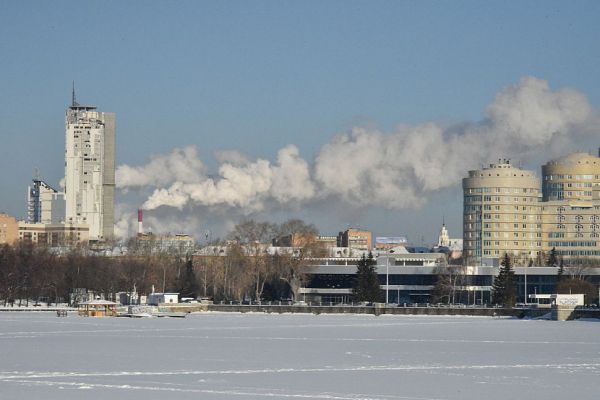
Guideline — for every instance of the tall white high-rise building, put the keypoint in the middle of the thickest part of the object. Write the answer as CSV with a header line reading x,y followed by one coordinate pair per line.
x,y
90,169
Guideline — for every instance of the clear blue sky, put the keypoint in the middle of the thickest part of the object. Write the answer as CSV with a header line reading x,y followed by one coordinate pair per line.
x,y
257,75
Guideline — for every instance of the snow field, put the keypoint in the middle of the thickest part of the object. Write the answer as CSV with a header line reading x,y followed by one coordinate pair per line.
x,y
296,356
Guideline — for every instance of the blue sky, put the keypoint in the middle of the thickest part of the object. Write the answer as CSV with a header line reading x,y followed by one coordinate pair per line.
x,y
256,76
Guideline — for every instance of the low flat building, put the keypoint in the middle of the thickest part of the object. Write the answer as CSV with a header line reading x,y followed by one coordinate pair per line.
x,y
155,299
54,235
412,278
389,242
176,244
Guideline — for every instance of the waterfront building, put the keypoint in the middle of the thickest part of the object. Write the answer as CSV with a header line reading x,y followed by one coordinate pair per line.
x,y
416,277
90,169
572,228
501,214
574,177
571,208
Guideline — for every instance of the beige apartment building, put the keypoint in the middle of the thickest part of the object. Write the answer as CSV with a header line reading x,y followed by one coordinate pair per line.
x,y
571,208
505,211
54,234
9,231
357,239
573,229
571,178
501,213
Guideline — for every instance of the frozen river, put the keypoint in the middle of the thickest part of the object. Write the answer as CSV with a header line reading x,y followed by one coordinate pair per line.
x,y
259,356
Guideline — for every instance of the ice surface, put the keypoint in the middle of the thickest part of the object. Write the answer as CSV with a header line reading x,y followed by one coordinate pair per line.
x,y
261,356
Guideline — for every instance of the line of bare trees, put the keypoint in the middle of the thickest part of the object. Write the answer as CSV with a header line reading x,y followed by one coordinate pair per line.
x,y
242,268
237,268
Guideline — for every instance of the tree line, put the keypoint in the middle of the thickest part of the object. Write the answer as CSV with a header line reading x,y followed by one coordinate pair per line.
x,y
240,268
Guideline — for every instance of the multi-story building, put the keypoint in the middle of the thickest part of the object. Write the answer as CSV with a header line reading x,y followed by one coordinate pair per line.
x,y
356,239
53,235
90,169
501,214
572,229
9,231
572,177
571,208
505,213
45,204
326,242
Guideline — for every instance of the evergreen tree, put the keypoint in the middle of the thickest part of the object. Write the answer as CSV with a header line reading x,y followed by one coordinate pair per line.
x,y
366,283
188,285
504,287
552,258
561,270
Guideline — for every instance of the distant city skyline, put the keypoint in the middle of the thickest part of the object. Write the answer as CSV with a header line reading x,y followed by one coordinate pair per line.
x,y
229,83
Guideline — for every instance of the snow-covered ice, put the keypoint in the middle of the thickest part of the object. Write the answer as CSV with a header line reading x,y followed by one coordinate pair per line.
x,y
261,356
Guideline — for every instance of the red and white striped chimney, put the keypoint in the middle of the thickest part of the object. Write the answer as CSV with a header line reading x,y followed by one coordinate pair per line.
x,y
140,223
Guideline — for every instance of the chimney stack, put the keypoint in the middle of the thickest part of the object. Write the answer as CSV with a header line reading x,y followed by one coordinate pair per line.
x,y
140,223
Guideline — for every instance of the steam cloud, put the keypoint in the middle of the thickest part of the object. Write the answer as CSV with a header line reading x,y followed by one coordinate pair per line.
x,y
369,167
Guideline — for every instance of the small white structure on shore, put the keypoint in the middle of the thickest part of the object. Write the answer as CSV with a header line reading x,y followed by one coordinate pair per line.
x,y
155,299
570,300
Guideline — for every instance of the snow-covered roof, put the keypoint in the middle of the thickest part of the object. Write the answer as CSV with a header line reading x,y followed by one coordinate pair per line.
x,y
99,303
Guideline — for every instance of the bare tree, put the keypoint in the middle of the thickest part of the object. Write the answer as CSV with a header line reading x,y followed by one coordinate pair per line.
x,y
449,281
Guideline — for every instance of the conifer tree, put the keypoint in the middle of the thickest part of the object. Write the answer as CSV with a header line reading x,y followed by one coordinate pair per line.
x,y
504,287
552,258
561,270
188,285
366,283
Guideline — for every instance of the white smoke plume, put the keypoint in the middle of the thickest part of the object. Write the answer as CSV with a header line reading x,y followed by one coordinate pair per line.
x,y
181,165
369,167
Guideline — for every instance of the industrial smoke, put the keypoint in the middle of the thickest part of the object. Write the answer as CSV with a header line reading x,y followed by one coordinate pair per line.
x,y
363,167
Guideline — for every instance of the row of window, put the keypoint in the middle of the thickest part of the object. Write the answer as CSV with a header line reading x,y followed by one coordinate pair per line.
x,y
503,190
576,177
573,244
516,217
498,226
560,194
561,186
506,243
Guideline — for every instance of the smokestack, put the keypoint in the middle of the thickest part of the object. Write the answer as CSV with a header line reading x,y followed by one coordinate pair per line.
x,y
140,223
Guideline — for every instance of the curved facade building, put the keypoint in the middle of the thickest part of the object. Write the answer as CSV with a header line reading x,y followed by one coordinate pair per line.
x,y
572,177
571,208
501,214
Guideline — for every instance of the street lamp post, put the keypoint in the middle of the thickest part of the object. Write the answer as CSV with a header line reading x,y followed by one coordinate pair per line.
x,y
525,286
387,280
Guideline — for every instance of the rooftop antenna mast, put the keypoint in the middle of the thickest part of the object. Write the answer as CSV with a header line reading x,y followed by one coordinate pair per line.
x,y
73,102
